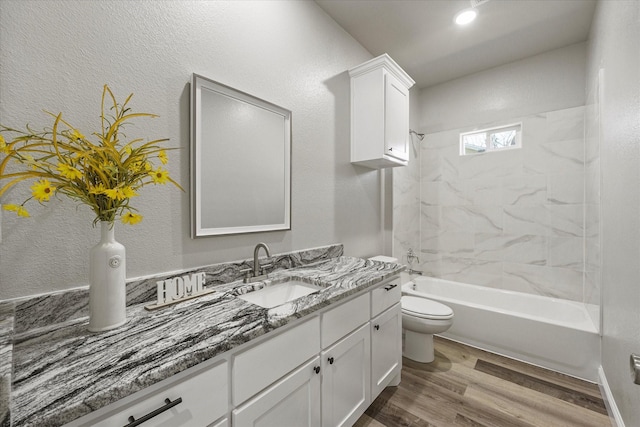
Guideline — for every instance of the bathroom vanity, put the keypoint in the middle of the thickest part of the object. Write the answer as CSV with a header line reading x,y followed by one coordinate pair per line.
x,y
221,361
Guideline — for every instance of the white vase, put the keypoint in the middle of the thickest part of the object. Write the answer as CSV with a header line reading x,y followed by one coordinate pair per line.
x,y
107,282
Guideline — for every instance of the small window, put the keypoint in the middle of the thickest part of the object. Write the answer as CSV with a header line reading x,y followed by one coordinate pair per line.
x,y
494,139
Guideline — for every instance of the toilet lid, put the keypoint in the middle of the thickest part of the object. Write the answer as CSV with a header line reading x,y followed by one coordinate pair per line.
x,y
423,307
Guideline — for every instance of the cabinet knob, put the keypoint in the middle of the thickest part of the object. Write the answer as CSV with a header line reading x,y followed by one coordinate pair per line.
x,y
316,369
388,288
330,360
377,327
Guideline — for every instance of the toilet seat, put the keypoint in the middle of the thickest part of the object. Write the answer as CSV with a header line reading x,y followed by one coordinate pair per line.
x,y
425,308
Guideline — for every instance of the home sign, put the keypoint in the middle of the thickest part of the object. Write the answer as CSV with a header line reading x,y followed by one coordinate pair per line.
x,y
180,288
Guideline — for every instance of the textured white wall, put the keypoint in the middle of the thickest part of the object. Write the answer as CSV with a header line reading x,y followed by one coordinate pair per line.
x,y
56,55
551,81
614,48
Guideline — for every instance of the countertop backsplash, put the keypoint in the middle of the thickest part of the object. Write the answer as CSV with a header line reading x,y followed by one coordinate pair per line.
x,y
65,306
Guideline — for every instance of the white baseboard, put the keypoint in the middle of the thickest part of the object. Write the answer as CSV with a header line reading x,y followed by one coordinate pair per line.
x,y
612,408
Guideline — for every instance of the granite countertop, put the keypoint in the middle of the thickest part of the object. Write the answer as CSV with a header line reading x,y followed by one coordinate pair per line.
x,y
63,373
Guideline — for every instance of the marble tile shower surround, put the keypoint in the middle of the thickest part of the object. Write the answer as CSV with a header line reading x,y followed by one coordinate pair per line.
x,y
592,257
44,311
406,204
512,219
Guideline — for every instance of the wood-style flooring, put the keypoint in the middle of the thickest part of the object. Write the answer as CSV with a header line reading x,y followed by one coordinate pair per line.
x,y
465,386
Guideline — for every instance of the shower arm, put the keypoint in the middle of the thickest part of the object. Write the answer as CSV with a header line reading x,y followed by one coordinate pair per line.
x,y
419,135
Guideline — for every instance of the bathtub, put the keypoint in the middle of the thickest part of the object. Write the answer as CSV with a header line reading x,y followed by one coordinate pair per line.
x,y
553,333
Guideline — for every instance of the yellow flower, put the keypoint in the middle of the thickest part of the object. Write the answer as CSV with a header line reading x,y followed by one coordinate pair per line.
x,y
103,170
114,193
17,209
129,192
69,171
131,218
162,155
160,176
42,190
97,189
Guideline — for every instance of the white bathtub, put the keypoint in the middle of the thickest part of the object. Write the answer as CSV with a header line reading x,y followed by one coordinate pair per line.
x,y
553,333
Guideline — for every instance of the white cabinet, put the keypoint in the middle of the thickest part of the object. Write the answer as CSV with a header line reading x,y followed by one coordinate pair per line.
x,y
292,401
221,423
263,364
386,349
339,321
325,369
194,398
346,379
380,113
385,296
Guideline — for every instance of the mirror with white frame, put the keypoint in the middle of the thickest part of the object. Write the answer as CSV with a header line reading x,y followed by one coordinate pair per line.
x,y
240,162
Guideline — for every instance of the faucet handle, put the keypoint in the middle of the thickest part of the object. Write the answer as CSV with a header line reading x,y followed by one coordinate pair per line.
x,y
246,273
265,266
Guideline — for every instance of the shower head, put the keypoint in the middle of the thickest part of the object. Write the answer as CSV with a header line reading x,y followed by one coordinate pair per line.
x,y
419,135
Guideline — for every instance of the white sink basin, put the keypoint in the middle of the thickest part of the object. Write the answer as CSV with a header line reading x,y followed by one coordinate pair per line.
x,y
280,293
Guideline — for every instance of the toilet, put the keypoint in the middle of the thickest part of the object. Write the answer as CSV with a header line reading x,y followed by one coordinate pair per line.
x,y
421,318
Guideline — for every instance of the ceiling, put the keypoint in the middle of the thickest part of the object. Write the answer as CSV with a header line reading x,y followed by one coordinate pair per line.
x,y
421,37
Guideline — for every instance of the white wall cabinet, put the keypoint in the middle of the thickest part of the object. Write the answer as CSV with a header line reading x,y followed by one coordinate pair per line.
x,y
380,113
346,379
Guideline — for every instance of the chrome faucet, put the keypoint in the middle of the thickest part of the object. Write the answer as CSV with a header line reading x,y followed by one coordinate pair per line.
x,y
256,263
411,258
256,266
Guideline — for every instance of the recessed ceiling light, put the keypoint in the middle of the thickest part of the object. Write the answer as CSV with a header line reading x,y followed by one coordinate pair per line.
x,y
465,16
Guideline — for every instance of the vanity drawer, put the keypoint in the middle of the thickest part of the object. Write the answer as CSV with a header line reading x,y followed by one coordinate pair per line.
x,y
384,296
340,321
202,395
265,363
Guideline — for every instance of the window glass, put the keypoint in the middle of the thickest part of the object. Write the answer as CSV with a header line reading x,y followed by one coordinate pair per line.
x,y
501,138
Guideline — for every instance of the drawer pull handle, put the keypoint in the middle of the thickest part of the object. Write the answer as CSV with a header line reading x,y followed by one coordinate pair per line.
x,y
330,360
388,288
168,405
377,327
316,369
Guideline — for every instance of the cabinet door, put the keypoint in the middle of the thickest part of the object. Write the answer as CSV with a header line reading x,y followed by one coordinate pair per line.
x,y
385,296
346,379
396,118
263,364
292,401
221,423
386,349
197,400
